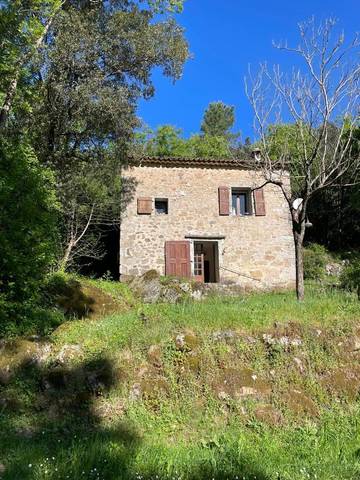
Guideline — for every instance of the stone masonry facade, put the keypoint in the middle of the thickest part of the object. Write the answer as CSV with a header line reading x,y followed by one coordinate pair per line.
x,y
255,252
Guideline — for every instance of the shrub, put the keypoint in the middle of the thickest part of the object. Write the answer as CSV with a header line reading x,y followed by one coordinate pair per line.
x,y
350,277
315,259
28,219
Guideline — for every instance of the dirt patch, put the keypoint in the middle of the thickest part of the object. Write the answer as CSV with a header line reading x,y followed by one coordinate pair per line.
x,y
268,414
299,403
343,382
240,383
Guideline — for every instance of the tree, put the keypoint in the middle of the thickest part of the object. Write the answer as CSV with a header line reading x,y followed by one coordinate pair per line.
x,y
23,28
218,120
322,99
167,141
95,65
206,146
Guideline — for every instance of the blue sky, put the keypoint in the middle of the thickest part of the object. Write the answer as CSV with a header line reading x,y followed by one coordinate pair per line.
x,y
225,36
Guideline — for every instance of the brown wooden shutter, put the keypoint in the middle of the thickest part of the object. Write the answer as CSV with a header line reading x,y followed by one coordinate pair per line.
x,y
224,201
144,205
259,202
177,259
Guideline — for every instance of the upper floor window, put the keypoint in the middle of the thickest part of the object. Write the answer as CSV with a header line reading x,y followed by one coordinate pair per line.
x,y
240,201
161,206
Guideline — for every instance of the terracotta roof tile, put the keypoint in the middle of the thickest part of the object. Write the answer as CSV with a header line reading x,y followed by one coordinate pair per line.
x,y
245,162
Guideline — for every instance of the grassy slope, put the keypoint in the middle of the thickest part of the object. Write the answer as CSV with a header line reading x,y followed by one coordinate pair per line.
x,y
93,425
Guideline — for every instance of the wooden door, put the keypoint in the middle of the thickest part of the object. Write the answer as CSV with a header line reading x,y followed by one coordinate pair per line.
x,y
177,258
199,274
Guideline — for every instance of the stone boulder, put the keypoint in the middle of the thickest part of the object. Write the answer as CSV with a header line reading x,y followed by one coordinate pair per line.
x,y
147,286
151,288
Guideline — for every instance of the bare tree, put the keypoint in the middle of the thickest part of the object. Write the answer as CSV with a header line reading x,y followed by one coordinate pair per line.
x,y
320,99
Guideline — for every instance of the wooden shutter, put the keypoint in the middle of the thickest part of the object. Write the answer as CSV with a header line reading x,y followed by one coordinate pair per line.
x,y
259,202
177,259
144,205
224,201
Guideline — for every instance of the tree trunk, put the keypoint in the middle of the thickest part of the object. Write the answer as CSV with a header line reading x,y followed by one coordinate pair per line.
x,y
6,107
299,234
65,260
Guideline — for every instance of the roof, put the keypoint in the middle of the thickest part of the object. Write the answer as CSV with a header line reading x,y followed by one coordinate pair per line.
x,y
245,162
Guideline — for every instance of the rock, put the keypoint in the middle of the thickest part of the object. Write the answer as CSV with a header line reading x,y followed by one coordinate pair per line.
x,y
268,414
68,353
170,295
334,268
240,383
106,410
154,386
147,286
246,391
186,341
249,339
185,287
283,341
196,295
154,355
44,352
268,339
299,364
223,395
225,335
300,403
343,382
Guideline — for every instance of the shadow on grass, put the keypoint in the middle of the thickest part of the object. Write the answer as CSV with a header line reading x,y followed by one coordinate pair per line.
x,y
51,428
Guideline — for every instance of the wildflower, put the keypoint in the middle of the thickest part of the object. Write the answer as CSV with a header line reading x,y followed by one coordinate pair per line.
x,y
30,465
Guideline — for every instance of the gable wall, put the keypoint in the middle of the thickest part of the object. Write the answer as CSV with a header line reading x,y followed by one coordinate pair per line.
x,y
254,246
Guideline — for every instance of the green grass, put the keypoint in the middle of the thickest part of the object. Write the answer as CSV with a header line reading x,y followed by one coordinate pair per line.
x,y
89,424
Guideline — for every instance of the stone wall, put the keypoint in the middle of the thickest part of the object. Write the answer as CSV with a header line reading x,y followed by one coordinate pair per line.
x,y
255,251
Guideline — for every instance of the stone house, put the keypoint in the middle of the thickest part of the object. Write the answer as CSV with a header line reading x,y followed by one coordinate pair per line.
x,y
206,219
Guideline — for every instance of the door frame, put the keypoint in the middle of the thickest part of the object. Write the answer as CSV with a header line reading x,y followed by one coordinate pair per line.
x,y
216,257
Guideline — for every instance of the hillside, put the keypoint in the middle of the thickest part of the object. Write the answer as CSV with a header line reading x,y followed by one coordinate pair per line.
x,y
247,387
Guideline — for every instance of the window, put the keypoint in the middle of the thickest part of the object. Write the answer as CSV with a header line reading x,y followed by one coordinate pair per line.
x,y
161,206
240,202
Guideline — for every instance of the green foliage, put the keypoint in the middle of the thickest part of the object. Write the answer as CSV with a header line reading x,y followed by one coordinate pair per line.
x,y
95,66
167,141
350,277
218,120
28,234
80,418
315,259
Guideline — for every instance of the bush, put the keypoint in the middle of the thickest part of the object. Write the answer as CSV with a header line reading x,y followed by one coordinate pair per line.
x,y
315,259
28,220
350,277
